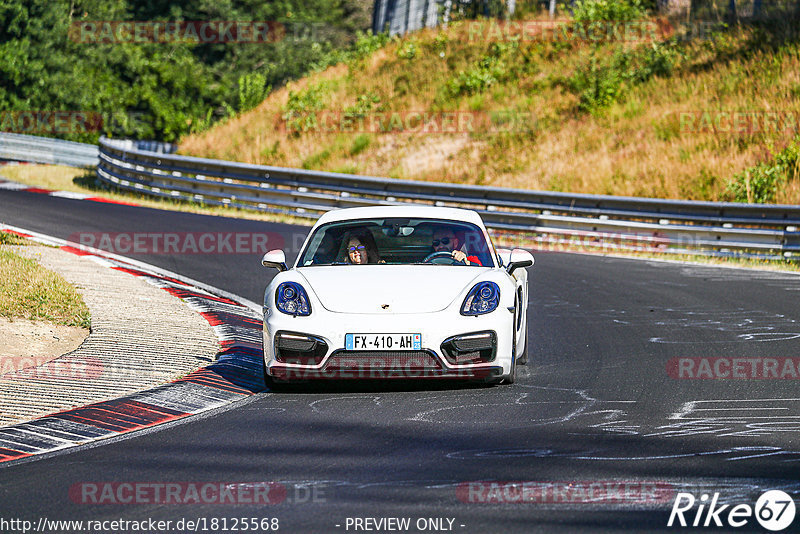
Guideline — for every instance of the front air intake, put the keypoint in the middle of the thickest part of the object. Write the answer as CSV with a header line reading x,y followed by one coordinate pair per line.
x,y
473,348
301,349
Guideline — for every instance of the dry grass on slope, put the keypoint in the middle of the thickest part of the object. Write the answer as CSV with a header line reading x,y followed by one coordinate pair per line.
x,y
632,144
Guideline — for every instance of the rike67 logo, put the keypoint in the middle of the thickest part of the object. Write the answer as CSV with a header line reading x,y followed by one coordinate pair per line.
x,y
774,510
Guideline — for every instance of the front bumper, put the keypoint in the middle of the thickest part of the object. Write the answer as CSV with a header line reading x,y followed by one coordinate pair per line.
x,y
327,358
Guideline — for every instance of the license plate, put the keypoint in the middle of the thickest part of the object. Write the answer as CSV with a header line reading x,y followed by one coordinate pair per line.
x,y
383,341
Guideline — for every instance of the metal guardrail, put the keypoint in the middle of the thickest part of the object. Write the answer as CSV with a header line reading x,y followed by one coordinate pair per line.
x,y
17,147
34,149
535,218
159,147
526,218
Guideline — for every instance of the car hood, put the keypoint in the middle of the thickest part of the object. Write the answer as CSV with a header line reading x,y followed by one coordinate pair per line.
x,y
388,288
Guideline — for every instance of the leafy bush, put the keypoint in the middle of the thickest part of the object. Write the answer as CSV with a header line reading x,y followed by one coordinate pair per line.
x,y
253,89
408,49
496,66
608,10
367,43
364,104
316,160
360,144
761,183
203,123
299,111
307,100
659,59
474,80
438,45
601,83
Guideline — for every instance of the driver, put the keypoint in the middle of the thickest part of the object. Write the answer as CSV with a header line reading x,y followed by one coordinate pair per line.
x,y
445,240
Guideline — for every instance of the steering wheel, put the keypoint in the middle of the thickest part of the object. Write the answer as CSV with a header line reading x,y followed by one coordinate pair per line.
x,y
443,255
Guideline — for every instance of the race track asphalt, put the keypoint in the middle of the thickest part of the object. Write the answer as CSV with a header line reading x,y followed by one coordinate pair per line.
x,y
595,407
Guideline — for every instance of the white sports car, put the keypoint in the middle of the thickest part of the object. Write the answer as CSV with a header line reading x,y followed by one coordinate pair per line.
x,y
403,292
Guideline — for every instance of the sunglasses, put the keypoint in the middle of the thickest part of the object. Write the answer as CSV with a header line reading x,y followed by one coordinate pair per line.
x,y
443,241
354,249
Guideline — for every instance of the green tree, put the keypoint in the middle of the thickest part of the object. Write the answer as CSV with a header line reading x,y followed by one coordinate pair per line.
x,y
161,90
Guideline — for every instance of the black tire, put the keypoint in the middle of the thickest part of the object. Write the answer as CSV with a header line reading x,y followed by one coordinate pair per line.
x,y
268,382
512,376
523,359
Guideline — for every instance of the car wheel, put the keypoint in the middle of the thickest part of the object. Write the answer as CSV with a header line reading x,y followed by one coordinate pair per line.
x,y
512,376
270,382
267,378
523,359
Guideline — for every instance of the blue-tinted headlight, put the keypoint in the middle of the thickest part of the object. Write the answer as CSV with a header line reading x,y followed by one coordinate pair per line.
x,y
291,298
484,297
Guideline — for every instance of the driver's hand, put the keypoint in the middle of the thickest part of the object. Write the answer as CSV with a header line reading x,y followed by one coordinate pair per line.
x,y
459,255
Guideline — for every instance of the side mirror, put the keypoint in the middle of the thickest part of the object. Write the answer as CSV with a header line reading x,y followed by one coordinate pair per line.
x,y
275,258
519,258
504,255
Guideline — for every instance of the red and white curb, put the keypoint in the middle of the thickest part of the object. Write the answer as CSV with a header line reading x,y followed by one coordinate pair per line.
x,y
236,374
15,186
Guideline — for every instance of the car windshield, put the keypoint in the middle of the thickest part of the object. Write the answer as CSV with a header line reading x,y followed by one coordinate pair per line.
x,y
396,241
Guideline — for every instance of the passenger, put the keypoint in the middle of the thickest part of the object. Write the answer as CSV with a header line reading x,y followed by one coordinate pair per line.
x,y
361,249
445,240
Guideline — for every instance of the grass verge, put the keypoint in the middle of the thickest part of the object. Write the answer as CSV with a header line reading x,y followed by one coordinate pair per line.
x,y
744,263
29,291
